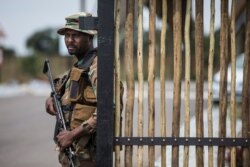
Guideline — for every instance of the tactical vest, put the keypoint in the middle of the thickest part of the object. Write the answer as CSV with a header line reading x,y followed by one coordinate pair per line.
x,y
79,101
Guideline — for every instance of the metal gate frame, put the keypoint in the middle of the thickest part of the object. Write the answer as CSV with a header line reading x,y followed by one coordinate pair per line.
x,y
105,119
105,84
104,23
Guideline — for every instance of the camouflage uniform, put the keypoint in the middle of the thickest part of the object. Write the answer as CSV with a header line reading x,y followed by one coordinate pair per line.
x,y
78,96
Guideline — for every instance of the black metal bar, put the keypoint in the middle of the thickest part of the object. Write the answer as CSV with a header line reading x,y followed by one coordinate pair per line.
x,y
104,154
88,23
186,141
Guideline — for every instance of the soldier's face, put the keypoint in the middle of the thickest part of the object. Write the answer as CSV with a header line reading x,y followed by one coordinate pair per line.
x,y
76,42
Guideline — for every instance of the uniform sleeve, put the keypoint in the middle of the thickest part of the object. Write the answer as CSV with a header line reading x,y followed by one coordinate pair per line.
x,y
93,74
89,126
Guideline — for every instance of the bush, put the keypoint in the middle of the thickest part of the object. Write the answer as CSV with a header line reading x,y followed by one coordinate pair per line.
x,y
31,66
23,69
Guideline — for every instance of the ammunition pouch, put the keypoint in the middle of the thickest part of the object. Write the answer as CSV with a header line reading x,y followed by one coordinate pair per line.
x,y
81,90
80,114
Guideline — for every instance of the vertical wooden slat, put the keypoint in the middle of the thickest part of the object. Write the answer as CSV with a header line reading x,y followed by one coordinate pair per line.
x,y
187,80
140,81
223,78
177,78
245,91
210,83
151,75
233,81
163,80
117,81
129,72
199,78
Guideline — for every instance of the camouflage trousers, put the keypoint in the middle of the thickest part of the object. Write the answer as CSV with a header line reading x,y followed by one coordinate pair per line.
x,y
86,160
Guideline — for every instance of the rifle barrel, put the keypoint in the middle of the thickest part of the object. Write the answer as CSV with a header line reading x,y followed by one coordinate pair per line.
x,y
58,106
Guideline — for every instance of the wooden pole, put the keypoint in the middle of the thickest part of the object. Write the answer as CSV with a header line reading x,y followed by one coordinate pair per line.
x,y
245,91
187,80
163,80
140,81
151,85
223,78
210,83
233,82
117,82
199,78
129,72
177,79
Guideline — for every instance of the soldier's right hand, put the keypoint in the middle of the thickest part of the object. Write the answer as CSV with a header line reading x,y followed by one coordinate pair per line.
x,y
49,105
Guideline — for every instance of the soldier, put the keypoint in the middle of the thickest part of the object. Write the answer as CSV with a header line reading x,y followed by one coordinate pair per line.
x,y
77,90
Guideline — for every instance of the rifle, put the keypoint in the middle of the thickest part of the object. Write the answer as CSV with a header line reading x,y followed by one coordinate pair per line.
x,y
60,122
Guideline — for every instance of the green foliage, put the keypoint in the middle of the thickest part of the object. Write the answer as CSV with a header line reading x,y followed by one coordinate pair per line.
x,y
44,41
31,66
23,69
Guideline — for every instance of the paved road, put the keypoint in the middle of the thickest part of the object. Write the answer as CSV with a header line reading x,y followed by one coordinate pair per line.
x,y
26,133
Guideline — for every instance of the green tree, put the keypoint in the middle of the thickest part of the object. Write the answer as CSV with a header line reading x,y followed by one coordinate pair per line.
x,y
44,41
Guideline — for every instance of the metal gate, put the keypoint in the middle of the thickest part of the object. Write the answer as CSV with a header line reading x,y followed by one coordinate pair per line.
x,y
143,149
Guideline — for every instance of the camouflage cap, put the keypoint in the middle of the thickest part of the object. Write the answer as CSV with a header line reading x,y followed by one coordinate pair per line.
x,y
72,22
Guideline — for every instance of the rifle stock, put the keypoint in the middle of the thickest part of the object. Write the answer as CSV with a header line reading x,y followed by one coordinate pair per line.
x,y
60,122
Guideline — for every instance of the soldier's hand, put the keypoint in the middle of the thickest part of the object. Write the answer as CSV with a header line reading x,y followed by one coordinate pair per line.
x,y
49,105
65,139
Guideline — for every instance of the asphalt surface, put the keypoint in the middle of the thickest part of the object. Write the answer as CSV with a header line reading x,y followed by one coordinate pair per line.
x,y
26,130
26,133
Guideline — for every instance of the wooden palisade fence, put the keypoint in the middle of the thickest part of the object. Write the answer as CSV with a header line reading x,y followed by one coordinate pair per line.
x,y
139,149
